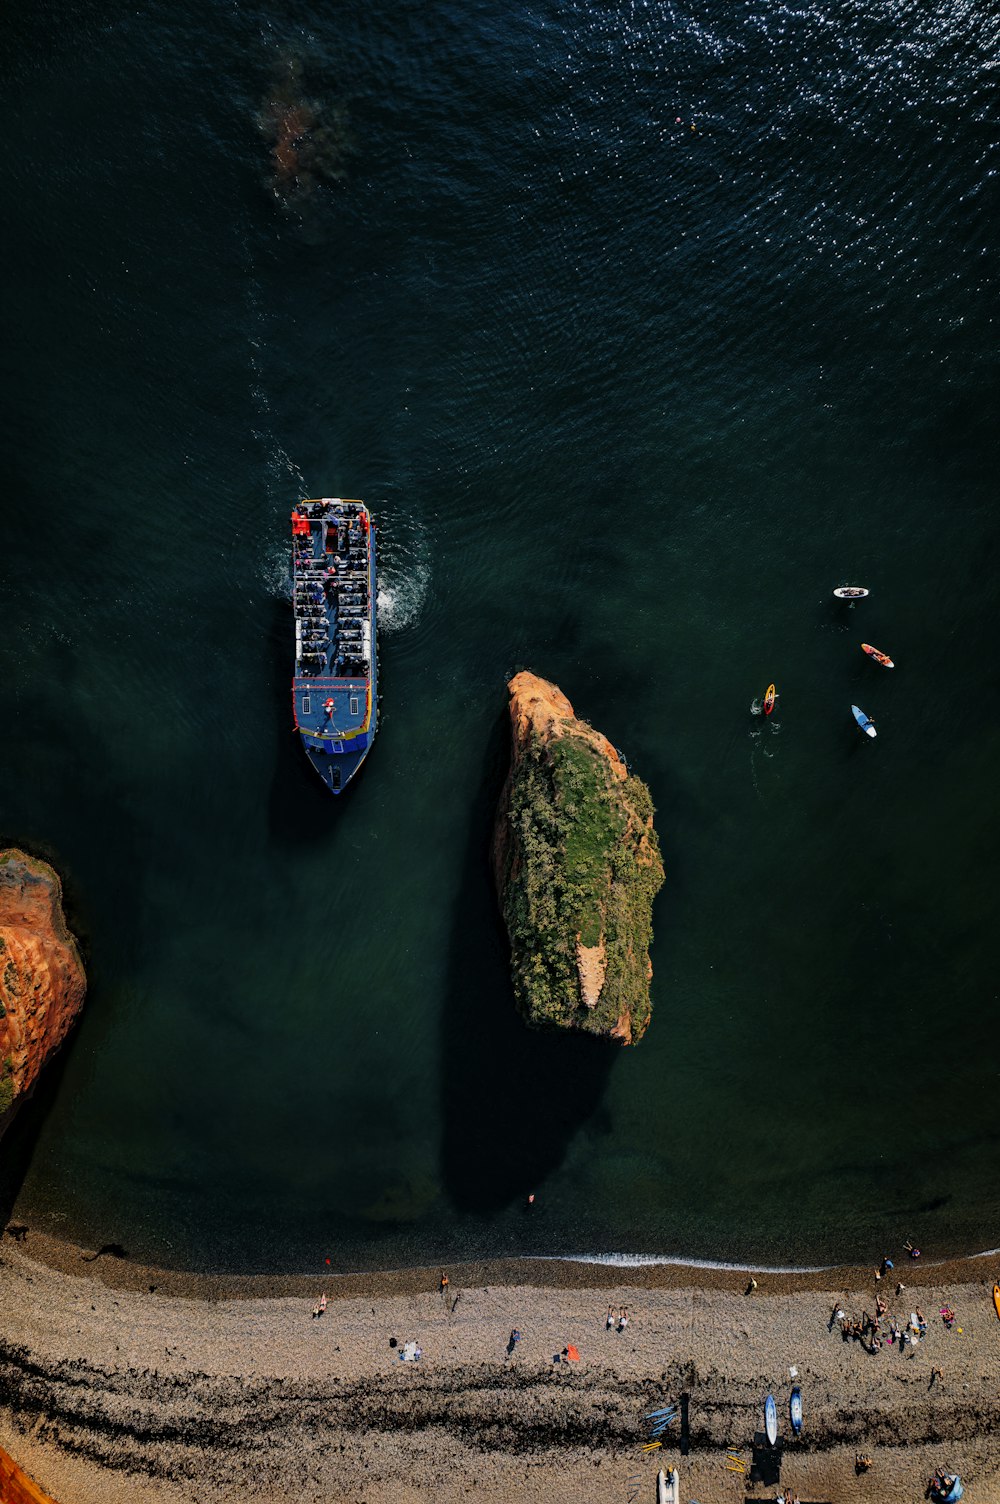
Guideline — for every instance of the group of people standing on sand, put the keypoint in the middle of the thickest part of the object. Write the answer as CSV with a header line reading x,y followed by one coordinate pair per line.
x,y
882,1329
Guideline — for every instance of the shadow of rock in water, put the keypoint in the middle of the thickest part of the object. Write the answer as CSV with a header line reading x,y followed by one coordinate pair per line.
x,y
23,1127
513,1097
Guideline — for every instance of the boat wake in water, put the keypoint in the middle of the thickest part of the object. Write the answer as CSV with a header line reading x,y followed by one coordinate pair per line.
x,y
401,595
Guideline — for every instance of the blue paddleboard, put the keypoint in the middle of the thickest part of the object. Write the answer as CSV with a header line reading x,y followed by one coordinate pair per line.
x,y
867,725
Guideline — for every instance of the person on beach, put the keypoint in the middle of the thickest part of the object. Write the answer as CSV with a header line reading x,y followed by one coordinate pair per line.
x,y
948,1316
320,1307
512,1341
443,1283
921,1322
880,1306
623,1319
837,1316
611,1319
913,1252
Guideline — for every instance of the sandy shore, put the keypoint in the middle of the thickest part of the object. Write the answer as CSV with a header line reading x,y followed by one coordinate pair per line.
x,y
224,1389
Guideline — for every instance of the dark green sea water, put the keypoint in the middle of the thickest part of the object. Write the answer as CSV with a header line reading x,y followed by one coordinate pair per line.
x,y
627,400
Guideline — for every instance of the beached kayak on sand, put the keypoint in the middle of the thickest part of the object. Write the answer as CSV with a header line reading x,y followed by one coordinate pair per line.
x,y
667,1486
996,1298
882,658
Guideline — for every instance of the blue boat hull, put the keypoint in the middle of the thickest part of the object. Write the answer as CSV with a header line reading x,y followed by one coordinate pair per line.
x,y
336,769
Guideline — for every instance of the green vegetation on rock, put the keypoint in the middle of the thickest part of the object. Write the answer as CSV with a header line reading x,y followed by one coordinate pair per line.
x,y
6,1085
581,859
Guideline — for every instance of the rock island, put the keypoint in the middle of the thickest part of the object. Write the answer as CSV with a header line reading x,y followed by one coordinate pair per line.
x,y
577,865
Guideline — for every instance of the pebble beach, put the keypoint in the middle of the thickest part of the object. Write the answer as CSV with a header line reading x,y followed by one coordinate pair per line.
x,y
119,1382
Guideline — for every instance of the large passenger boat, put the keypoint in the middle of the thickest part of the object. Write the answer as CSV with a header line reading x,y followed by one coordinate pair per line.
x,y
334,694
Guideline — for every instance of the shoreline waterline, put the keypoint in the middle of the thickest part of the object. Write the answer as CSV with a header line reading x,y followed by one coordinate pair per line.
x,y
564,1272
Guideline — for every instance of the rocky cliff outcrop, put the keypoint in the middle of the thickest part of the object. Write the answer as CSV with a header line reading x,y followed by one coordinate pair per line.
x,y
16,1487
577,867
42,981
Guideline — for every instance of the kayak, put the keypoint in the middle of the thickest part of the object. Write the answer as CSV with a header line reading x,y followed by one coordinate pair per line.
x,y
850,592
996,1298
867,726
667,1486
769,699
882,658
771,1420
795,1409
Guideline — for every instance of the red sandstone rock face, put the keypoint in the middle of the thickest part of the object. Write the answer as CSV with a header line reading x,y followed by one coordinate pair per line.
x,y
42,981
538,707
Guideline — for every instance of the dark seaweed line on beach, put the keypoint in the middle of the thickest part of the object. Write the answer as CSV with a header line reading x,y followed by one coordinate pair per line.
x,y
123,1419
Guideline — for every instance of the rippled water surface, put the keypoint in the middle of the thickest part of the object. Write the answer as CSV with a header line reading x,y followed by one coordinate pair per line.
x,y
639,327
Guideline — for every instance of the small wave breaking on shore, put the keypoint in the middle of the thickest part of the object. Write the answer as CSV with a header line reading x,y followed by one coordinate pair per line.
x,y
663,1260
658,1260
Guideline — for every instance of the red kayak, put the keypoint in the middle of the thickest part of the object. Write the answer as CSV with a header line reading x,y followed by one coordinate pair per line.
x,y
769,699
882,658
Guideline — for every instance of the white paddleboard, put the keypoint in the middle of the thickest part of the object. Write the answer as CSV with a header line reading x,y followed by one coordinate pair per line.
x,y
667,1486
771,1420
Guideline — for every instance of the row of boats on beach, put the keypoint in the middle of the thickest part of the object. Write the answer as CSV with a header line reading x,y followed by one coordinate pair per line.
x,y
668,1480
945,1487
843,593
